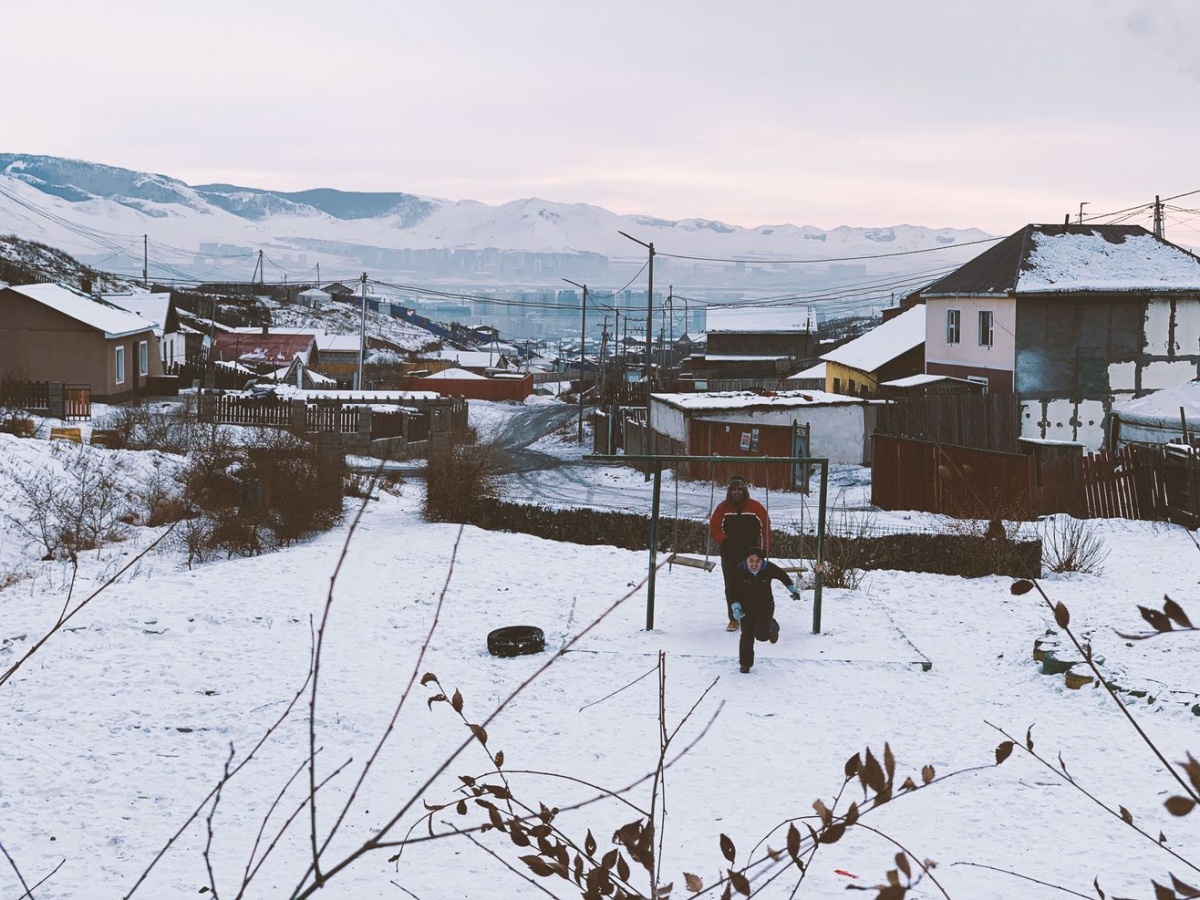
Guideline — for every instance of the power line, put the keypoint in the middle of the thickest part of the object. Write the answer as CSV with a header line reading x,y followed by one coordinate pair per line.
x,y
767,262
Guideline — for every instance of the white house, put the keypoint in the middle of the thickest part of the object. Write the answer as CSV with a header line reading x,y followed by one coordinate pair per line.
x,y
840,427
1071,318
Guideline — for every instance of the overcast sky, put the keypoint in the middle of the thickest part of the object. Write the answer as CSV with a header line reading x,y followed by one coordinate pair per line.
x,y
930,112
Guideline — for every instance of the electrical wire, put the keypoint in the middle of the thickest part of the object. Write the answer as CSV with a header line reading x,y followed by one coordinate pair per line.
x,y
769,262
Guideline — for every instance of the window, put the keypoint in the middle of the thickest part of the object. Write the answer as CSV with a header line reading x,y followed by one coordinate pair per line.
x,y
953,326
143,358
979,379
985,328
853,388
837,385
120,365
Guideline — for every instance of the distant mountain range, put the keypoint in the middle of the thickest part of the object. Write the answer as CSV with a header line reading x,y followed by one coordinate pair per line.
x,y
213,232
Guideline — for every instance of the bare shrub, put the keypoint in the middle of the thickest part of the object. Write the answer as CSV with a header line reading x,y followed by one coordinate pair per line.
x,y
160,495
1072,545
457,478
77,505
269,493
847,547
169,427
298,486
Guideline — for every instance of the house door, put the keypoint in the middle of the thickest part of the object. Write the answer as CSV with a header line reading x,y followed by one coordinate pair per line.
x,y
801,444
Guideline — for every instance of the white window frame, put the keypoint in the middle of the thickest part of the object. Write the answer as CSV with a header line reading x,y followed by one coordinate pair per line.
x,y
953,326
979,379
143,358
119,365
987,328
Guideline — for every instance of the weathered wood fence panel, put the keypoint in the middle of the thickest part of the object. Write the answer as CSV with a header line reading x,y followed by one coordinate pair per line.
x,y
331,417
955,481
254,411
982,421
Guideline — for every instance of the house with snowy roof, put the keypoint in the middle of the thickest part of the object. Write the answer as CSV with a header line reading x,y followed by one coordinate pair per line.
x,y
891,351
159,308
1071,318
753,345
314,298
764,423
49,332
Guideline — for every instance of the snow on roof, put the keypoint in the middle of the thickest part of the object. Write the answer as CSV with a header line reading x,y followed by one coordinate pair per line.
x,y
315,292
313,374
748,399
778,318
233,366
918,380
82,308
1164,405
457,373
738,357
153,307
479,359
355,396
1064,262
339,343
883,344
817,371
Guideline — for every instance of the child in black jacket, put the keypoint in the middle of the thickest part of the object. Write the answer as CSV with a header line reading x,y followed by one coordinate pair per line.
x,y
755,603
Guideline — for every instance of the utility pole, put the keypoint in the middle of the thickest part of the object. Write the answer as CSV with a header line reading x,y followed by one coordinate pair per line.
x,y
1081,206
318,275
671,304
146,261
362,334
582,343
649,313
1158,218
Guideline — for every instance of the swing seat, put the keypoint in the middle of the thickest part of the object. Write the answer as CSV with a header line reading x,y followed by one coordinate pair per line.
x,y
792,569
678,559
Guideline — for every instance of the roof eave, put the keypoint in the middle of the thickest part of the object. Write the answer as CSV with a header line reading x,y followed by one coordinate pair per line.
x,y
968,295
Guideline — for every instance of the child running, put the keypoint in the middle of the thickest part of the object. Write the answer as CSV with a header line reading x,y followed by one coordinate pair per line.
x,y
754,606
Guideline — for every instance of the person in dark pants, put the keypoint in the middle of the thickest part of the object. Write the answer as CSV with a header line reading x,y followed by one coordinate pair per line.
x,y
737,524
754,606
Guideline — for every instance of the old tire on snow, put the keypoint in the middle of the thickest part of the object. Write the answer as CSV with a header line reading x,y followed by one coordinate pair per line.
x,y
516,640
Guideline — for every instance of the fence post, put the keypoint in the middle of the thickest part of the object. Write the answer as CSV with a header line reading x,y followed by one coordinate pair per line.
x,y
299,416
365,414
206,407
56,404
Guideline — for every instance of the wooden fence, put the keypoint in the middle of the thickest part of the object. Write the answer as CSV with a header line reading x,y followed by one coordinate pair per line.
x,y
1154,482
268,410
70,402
955,481
1159,482
984,421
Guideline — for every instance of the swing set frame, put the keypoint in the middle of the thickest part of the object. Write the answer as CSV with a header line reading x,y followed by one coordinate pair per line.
x,y
656,462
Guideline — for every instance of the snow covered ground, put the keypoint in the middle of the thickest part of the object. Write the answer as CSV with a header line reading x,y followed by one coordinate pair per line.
x,y
120,726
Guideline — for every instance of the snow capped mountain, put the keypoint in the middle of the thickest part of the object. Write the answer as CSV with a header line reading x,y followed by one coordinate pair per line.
x,y
100,214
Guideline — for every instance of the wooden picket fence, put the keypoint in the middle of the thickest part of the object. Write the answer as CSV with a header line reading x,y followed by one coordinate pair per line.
x,y
1160,482
1135,482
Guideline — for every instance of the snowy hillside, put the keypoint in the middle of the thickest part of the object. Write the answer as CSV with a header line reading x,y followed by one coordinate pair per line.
x,y
101,212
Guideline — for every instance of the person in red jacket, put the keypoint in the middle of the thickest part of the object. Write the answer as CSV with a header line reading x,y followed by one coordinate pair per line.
x,y
738,524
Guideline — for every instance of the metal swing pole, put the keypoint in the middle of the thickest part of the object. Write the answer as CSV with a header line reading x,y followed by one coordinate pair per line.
x,y
656,463
819,564
654,504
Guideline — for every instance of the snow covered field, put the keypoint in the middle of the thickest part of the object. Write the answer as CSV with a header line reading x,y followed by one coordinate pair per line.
x,y
121,725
